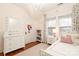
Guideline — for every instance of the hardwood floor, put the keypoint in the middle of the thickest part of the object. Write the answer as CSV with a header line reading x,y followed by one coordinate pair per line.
x,y
27,46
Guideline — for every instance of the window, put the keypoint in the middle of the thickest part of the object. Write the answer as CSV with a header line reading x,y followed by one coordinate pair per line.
x,y
50,25
65,24
65,21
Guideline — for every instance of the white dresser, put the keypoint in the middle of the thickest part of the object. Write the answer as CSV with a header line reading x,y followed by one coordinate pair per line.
x,y
14,35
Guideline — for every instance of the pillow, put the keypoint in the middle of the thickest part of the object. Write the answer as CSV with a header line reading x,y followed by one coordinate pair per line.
x,y
66,39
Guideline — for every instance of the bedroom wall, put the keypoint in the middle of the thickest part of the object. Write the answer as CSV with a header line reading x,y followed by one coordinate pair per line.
x,y
15,11
10,10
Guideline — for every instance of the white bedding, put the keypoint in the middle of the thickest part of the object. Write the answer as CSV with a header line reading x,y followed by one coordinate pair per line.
x,y
63,49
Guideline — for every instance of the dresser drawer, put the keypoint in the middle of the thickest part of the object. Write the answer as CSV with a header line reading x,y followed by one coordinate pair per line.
x,y
13,42
18,42
8,46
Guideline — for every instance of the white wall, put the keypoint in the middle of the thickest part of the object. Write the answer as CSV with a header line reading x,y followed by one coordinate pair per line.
x,y
30,37
10,10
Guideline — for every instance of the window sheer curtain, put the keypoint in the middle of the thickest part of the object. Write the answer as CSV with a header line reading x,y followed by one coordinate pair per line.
x,y
65,21
50,26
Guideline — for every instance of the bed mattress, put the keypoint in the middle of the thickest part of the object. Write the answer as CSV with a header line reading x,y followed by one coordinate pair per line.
x,y
63,49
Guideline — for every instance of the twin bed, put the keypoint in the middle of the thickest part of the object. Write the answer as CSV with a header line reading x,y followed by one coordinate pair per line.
x,y
61,49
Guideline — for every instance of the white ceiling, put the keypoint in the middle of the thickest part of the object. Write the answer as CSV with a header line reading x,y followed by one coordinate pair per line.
x,y
37,10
